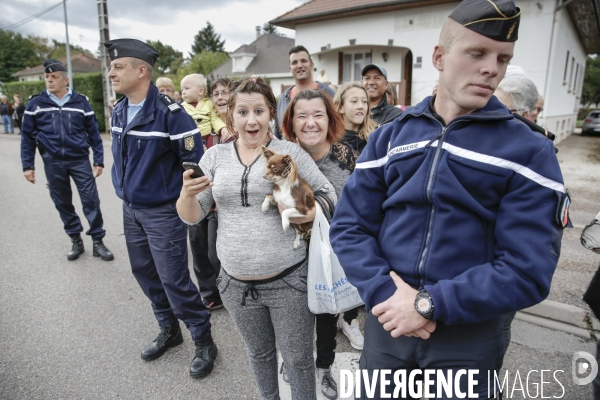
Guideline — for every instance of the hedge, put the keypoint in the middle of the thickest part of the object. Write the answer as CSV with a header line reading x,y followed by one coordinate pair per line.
x,y
88,84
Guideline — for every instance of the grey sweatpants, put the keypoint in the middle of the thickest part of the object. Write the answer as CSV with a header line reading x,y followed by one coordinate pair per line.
x,y
279,312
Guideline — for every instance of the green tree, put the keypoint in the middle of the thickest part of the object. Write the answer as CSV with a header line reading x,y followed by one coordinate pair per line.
x,y
59,50
269,28
207,40
590,93
202,63
16,53
169,59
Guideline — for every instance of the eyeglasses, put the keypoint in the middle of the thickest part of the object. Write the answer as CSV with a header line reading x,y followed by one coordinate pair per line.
x,y
538,109
224,93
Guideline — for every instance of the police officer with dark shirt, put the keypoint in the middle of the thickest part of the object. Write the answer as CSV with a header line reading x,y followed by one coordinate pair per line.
x,y
61,123
152,136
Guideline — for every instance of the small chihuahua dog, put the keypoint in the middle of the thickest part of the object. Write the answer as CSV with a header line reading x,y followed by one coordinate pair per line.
x,y
289,189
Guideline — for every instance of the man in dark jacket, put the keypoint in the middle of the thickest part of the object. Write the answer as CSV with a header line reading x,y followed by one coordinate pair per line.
x,y
62,124
6,110
453,217
375,80
152,136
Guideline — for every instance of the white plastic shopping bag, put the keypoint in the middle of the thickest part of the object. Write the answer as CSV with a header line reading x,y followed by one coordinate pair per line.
x,y
329,291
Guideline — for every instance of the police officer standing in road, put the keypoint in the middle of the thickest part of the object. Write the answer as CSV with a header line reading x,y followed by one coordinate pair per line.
x,y
152,136
62,124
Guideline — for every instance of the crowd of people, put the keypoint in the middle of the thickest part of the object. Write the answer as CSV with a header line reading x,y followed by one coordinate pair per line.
x,y
444,214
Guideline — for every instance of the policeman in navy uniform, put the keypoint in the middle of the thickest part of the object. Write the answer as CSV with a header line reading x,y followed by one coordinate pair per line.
x,y
152,136
452,217
61,123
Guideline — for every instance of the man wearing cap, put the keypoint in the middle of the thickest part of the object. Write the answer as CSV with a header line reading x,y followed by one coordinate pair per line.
x,y
152,136
375,81
61,123
301,66
453,216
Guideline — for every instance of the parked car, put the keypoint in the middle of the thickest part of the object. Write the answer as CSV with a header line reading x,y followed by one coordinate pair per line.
x,y
591,123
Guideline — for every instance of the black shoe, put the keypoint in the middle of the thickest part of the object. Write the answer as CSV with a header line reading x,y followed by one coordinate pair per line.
x,y
101,251
203,363
169,336
213,305
77,248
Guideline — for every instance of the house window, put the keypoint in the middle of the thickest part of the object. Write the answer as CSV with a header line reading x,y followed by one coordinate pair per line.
x,y
353,65
575,80
566,69
571,74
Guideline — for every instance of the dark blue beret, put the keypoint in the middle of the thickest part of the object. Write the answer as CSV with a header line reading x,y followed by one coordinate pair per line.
x,y
495,19
118,48
53,66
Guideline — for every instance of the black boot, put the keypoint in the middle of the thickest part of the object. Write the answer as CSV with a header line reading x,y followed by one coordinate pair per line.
x,y
101,251
169,336
204,361
77,248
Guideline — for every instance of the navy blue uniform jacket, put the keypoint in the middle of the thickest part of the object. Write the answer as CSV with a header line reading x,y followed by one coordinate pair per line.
x,y
148,152
466,211
66,132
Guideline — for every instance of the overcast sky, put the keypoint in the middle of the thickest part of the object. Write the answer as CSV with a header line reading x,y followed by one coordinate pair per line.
x,y
172,22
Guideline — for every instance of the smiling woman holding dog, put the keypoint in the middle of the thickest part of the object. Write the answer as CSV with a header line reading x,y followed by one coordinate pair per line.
x,y
312,121
263,278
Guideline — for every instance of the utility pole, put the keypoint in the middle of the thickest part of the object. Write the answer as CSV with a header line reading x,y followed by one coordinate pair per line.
x,y
105,61
69,67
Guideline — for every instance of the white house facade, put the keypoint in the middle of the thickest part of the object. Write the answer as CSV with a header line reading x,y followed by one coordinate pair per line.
x,y
401,36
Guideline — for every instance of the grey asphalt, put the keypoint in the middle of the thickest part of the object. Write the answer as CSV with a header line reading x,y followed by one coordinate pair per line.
x,y
74,330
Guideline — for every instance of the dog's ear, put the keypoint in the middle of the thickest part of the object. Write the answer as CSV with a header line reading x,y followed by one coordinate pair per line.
x,y
267,153
287,159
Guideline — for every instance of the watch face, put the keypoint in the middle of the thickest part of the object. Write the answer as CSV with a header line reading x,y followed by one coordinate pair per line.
x,y
423,305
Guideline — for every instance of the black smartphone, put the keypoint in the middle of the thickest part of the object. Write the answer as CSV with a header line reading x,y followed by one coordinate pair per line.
x,y
192,165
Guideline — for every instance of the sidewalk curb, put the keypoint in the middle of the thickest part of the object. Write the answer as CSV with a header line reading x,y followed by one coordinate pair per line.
x,y
562,317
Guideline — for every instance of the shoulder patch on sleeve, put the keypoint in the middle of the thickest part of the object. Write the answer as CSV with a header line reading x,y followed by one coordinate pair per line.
x,y
32,96
170,103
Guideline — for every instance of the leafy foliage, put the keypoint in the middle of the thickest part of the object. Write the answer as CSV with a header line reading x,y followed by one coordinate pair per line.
x,y
16,53
591,82
207,40
169,59
202,63
269,28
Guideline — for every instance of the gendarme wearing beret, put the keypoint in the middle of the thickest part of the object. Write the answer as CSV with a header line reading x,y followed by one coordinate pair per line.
x,y
118,48
52,65
495,19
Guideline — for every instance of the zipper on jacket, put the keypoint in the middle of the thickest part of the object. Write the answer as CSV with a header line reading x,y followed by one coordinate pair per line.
x,y
434,164
436,157
62,131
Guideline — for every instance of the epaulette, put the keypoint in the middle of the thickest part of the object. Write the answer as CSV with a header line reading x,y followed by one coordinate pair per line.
x,y
535,127
170,103
33,95
84,96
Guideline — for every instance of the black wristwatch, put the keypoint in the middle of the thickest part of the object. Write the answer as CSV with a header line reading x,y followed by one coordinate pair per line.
x,y
424,304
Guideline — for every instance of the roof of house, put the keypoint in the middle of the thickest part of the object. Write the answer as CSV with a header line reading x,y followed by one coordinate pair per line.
x,y
585,14
271,57
80,63
321,10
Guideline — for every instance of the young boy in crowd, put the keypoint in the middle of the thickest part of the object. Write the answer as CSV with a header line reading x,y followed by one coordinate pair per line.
x,y
200,107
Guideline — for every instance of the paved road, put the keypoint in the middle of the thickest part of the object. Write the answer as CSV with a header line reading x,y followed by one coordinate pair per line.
x,y
74,330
